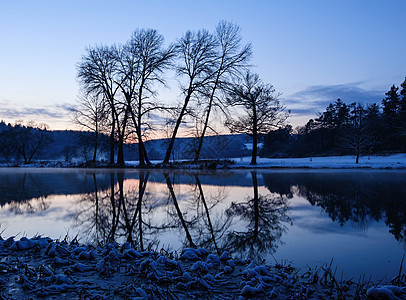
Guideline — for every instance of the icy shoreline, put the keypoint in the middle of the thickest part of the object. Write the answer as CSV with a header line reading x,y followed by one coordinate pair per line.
x,y
44,268
394,161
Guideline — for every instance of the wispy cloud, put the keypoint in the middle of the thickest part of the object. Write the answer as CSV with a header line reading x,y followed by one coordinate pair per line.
x,y
7,110
316,98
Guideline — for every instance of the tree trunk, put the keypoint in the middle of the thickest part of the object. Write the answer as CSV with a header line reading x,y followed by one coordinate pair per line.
x,y
199,148
113,129
147,161
120,154
36,148
206,122
254,136
254,149
95,146
175,131
141,149
140,154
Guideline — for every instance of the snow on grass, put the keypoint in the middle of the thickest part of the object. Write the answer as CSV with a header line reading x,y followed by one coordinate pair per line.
x,y
396,161
43,268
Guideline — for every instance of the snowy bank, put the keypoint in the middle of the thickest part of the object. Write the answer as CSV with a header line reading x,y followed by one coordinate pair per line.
x,y
40,267
396,161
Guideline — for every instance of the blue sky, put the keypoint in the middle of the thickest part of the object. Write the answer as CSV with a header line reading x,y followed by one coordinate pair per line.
x,y
311,51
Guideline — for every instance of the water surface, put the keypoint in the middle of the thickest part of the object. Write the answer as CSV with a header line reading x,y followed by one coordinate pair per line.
x,y
355,217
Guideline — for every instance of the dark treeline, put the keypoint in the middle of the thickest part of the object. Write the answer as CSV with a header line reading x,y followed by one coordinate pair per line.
x,y
23,141
32,142
342,129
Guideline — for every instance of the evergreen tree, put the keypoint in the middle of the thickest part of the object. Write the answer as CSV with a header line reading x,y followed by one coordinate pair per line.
x,y
403,96
373,123
391,104
391,114
402,116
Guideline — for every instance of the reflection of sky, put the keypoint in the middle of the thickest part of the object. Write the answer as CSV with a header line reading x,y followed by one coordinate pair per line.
x,y
314,239
53,222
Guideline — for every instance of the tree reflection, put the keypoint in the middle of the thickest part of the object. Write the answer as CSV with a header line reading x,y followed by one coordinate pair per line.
x,y
130,226
265,215
207,213
178,211
212,223
128,213
26,204
356,197
114,214
195,205
122,213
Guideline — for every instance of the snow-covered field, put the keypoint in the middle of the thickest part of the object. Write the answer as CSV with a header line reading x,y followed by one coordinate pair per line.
x,y
397,161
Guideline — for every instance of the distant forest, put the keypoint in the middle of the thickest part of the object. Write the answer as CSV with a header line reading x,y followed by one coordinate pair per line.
x,y
346,129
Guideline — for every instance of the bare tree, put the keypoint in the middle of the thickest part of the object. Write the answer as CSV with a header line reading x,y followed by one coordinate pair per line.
x,y
29,140
356,138
91,115
97,74
142,63
197,54
262,109
231,59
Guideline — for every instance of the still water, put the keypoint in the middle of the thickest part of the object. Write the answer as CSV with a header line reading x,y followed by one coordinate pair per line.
x,y
308,217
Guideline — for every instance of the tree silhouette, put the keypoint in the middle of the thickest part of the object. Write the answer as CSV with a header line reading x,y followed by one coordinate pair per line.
x,y
263,111
197,55
231,59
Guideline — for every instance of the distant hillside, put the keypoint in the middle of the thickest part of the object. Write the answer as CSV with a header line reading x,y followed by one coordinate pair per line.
x,y
220,146
69,145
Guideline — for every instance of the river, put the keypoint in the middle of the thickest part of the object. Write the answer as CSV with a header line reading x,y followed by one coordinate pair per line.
x,y
354,218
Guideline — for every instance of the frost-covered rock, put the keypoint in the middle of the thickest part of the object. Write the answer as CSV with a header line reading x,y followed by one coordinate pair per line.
x,y
213,259
225,255
386,292
191,254
251,291
131,254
